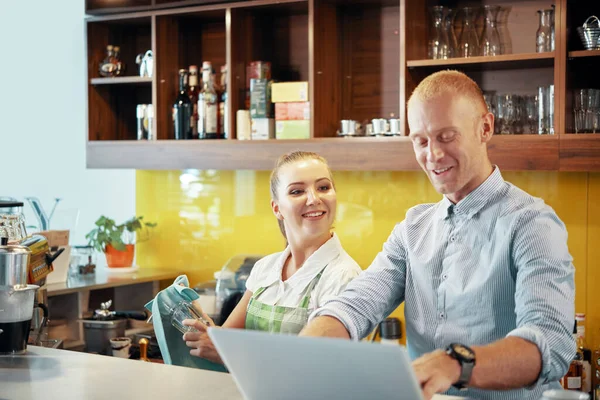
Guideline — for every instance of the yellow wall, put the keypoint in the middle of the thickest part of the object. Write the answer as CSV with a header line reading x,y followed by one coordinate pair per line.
x,y
205,217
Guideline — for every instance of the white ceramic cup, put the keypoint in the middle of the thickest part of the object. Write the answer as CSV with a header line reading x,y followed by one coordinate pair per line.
x,y
120,346
564,395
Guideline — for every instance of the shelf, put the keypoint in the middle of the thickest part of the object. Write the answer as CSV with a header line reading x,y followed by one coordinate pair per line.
x,y
584,53
514,152
580,152
505,61
121,80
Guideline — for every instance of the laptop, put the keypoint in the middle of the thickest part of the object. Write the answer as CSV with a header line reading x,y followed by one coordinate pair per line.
x,y
268,366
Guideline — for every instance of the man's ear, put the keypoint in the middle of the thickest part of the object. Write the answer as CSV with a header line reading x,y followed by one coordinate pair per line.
x,y
487,127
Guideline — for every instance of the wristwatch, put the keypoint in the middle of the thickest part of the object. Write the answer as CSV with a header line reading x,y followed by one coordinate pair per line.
x,y
466,358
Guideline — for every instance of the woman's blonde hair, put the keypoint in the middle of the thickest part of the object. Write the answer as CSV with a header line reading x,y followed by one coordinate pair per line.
x,y
287,159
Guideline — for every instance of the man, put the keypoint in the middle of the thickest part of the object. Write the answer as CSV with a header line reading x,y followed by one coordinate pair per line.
x,y
486,273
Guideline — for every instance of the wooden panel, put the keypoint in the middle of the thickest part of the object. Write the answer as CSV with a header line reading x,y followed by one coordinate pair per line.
x,y
327,81
580,152
584,53
108,6
166,64
560,62
351,154
371,63
241,47
99,112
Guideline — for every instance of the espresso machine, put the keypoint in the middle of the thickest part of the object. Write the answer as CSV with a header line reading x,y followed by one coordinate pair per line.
x,y
25,261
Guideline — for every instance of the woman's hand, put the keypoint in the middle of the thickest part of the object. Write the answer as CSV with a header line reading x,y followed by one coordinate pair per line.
x,y
200,342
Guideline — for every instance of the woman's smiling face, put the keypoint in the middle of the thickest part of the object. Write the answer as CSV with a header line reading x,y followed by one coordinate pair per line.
x,y
306,200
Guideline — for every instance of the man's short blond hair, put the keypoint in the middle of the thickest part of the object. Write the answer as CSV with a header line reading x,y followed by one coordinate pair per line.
x,y
449,81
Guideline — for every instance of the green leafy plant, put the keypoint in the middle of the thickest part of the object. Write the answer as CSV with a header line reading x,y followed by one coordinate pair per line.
x,y
108,232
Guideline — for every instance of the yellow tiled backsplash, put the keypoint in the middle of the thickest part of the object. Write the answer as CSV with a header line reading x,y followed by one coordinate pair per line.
x,y
205,217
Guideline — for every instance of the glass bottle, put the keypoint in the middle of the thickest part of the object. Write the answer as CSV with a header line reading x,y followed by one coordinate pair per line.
x,y
438,41
490,38
450,34
193,90
223,109
502,24
543,36
107,66
182,110
207,105
572,380
469,43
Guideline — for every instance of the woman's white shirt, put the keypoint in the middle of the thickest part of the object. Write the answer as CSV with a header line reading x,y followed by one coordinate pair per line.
x,y
340,270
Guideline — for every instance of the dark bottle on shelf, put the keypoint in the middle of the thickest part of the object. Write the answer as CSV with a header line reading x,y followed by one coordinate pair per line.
x,y
193,91
183,110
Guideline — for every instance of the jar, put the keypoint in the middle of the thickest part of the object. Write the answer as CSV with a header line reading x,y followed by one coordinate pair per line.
x,y
83,260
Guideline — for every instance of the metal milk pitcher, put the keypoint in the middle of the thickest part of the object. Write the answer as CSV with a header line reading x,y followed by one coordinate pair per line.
x,y
145,63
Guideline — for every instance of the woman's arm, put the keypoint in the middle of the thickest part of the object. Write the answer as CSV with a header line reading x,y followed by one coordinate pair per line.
x,y
237,318
200,342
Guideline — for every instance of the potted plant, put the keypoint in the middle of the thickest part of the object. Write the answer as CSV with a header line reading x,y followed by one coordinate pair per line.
x,y
118,241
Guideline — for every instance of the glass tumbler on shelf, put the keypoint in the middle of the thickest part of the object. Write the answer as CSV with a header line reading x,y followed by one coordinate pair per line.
x,y
490,38
469,42
545,113
530,120
543,36
507,113
438,47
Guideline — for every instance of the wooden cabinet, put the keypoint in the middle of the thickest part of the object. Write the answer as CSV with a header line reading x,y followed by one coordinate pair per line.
x,y
362,59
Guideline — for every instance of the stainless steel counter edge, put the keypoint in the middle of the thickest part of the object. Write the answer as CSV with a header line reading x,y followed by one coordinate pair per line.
x,y
103,279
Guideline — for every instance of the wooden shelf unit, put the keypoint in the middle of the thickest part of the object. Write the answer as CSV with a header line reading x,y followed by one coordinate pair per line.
x,y
362,60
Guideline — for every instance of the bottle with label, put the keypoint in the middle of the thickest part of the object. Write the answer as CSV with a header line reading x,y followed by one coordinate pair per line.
x,y
193,91
107,66
208,105
572,380
586,377
182,110
223,118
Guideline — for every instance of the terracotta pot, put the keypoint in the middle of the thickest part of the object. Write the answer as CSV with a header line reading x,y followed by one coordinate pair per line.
x,y
119,259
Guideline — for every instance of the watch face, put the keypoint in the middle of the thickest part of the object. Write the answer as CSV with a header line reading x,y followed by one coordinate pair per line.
x,y
464,352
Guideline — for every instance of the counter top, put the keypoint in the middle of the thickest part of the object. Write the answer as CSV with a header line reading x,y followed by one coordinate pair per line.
x,y
103,278
45,373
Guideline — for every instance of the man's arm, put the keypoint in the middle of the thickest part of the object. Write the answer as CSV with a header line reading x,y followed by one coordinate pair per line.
x,y
368,299
509,363
326,326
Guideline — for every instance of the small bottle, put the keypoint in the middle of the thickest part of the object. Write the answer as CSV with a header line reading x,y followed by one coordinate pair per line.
x,y
182,110
107,66
144,350
193,90
586,376
120,66
207,105
390,331
572,380
223,109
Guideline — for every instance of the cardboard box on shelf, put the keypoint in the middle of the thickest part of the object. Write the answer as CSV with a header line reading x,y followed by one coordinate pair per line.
x,y
263,128
289,92
260,99
56,238
299,129
292,111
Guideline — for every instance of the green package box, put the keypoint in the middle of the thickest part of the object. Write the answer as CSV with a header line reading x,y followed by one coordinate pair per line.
x,y
260,99
292,129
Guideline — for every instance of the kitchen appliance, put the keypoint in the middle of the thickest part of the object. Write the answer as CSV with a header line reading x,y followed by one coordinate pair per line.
x,y
14,266
231,284
16,310
105,325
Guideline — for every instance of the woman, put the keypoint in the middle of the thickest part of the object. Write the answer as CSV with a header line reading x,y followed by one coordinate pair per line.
x,y
285,287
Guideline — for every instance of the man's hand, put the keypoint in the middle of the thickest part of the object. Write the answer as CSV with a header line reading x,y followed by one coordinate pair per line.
x,y
436,372
200,342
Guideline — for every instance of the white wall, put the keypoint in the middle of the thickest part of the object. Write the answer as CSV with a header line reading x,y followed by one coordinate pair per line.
x,y
43,117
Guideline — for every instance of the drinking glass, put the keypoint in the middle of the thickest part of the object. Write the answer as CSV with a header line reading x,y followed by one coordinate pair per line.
x,y
469,43
490,38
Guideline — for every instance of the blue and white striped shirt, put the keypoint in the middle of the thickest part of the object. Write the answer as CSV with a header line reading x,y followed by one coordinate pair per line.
x,y
494,265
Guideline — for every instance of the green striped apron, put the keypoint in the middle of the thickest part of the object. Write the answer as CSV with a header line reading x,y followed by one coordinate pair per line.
x,y
279,319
